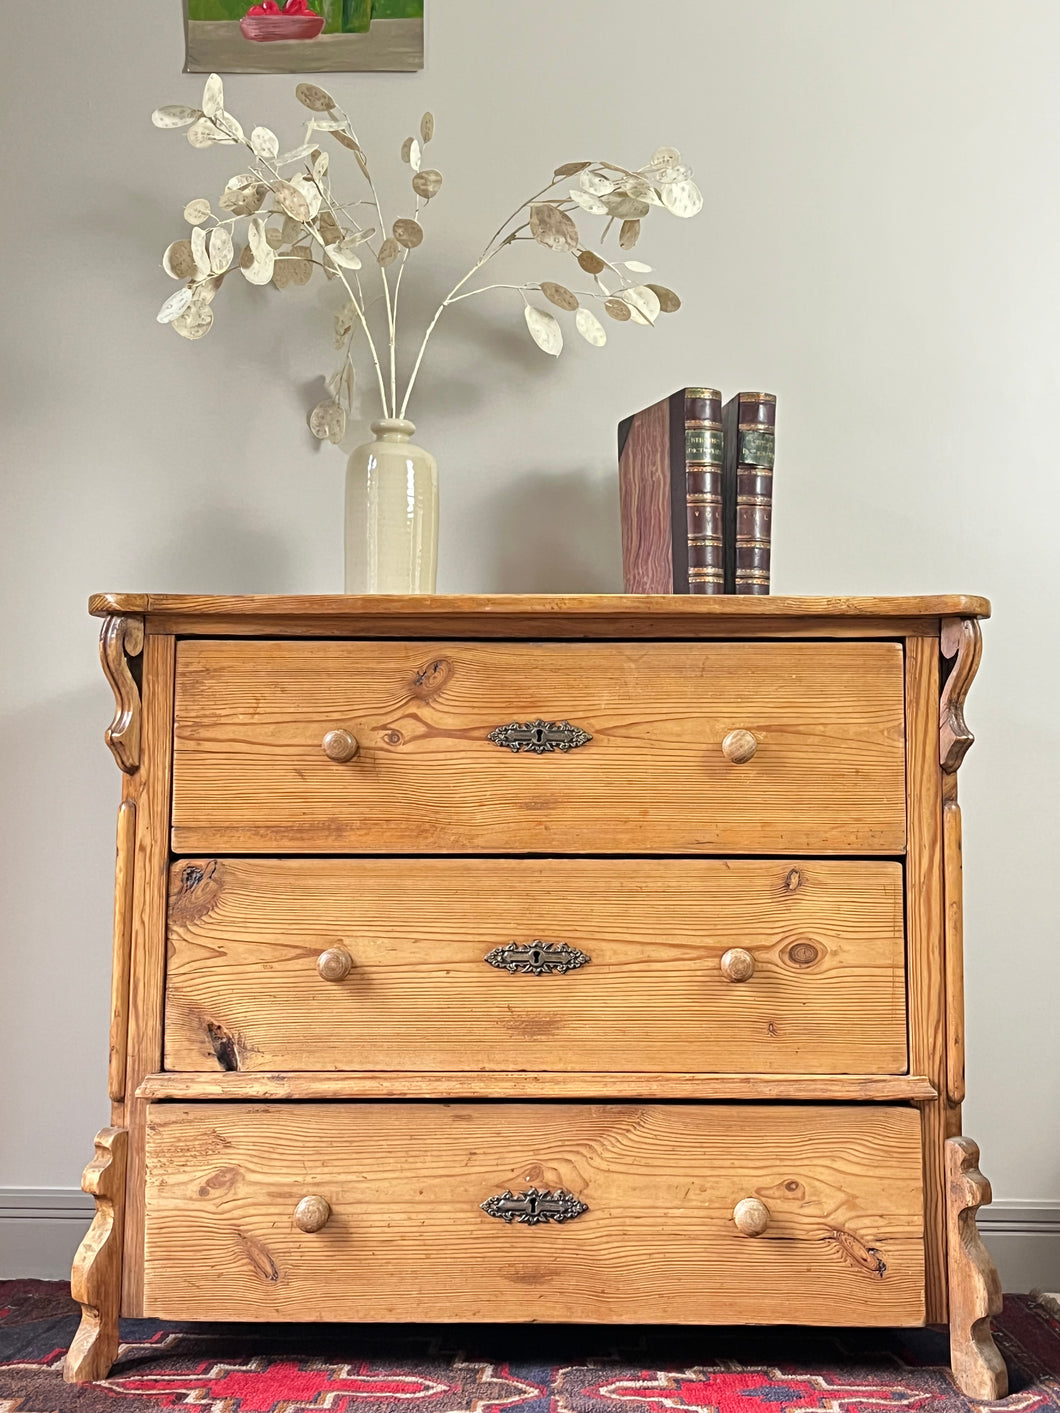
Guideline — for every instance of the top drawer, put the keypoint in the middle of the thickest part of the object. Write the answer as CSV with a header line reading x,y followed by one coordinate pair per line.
x,y
251,772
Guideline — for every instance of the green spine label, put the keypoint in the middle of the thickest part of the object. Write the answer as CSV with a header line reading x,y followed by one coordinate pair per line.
x,y
703,444
756,449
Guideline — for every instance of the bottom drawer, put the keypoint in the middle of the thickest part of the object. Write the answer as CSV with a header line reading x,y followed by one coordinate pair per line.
x,y
406,1237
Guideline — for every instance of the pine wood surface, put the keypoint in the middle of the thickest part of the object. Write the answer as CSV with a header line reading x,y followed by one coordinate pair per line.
x,y
517,626
961,640
924,930
954,942
826,939
530,1084
121,639
147,956
95,1280
406,1232
837,754
975,1290
537,615
123,920
251,775
400,608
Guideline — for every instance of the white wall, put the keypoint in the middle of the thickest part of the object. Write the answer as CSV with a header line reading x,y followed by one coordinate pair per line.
x,y
891,274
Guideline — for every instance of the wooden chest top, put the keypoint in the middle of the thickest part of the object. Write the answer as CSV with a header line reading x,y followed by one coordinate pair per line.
x,y
522,615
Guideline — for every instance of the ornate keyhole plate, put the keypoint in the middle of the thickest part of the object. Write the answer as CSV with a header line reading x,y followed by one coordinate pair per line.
x,y
533,1206
539,737
537,958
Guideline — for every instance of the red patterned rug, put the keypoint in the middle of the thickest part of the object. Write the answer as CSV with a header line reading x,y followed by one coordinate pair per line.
x,y
490,1369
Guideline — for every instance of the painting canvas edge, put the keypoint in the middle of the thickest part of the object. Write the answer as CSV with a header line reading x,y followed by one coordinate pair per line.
x,y
391,43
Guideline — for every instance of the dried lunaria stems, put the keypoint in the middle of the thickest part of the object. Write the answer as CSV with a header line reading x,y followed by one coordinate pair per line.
x,y
292,223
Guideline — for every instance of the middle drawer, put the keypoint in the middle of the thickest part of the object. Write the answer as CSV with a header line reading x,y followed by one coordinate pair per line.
x,y
566,964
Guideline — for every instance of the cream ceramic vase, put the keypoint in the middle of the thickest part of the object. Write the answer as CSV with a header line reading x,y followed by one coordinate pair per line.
x,y
391,514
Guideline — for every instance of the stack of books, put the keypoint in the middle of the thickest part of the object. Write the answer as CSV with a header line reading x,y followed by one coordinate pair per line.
x,y
696,487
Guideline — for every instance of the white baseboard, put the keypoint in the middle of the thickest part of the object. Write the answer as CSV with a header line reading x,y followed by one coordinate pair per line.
x,y
1024,1240
40,1229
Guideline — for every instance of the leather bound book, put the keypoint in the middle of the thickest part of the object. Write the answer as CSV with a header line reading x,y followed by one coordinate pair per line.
x,y
749,421
669,476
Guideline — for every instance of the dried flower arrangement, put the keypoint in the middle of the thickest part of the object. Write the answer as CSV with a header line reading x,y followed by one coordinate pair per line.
x,y
295,222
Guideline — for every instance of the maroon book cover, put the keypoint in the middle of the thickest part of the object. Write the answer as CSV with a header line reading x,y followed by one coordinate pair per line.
x,y
749,422
670,488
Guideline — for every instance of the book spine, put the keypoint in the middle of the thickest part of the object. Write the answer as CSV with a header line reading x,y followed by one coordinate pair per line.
x,y
703,457
750,429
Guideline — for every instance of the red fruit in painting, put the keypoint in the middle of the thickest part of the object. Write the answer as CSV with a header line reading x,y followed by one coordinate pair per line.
x,y
266,20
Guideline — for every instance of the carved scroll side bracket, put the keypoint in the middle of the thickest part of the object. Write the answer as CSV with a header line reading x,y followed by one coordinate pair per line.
x,y
961,645
974,1287
96,1278
121,640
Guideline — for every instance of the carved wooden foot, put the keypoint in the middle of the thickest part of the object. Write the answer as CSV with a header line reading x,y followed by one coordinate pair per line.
x,y
96,1277
974,1288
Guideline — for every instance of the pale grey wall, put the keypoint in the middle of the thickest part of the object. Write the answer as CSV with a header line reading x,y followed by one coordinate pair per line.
x,y
891,273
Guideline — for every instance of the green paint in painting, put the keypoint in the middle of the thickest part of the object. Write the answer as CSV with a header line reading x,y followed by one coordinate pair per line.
x,y
348,15
218,9
398,9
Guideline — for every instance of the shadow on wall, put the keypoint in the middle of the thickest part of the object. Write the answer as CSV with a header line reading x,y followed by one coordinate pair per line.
x,y
553,532
56,879
220,553
549,532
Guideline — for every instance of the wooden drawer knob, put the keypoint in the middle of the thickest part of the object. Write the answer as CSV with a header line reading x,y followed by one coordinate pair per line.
x,y
335,964
340,745
312,1214
751,1216
739,746
737,964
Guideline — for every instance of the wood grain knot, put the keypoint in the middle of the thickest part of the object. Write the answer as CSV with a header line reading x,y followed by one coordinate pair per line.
x,y
803,953
431,678
219,1181
229,1048
259,1257
195,886
867,1258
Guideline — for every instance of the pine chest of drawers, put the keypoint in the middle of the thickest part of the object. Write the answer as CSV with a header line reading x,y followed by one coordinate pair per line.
x,y
551,959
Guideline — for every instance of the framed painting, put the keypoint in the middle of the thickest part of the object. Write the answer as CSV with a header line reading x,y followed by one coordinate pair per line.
x,y
303,36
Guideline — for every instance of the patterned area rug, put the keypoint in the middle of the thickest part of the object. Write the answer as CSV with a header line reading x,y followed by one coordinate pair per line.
x,y
487,1369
